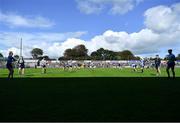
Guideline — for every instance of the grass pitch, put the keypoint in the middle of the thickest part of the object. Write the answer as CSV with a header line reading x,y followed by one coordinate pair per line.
x,y
97,72
89,95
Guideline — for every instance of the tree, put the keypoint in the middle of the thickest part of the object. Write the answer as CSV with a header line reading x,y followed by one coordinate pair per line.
x,y
36,53
68,54
16,56
46,57
126,55
61,58
178,57
79,52
102,54
137,58
1,55
95,56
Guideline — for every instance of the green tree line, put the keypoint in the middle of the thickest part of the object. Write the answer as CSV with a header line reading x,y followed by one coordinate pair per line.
x,y
80,52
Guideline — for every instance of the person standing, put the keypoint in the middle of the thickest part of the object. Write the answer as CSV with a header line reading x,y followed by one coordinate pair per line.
x,y
157,63
134,66
43,64
170,63
10,65
142,64
21,65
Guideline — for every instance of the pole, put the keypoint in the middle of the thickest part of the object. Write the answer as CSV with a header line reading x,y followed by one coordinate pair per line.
x,y
21,48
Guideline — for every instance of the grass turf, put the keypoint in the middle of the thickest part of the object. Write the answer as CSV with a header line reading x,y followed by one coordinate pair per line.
x,y
108,98
98,72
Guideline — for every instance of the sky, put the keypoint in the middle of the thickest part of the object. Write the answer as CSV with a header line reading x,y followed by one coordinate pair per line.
x,y
146,27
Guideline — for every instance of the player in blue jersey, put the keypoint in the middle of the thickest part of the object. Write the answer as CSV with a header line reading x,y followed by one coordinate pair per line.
x,y
9,64
157,63
170,63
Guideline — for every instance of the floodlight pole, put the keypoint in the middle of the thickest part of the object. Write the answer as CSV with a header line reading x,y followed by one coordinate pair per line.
x,y
21,48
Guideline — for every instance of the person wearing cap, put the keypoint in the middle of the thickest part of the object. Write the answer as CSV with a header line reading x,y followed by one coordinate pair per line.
x,y
157,62
170,63
9,65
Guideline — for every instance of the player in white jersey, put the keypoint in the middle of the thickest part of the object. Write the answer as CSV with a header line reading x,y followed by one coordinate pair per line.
x,y
134,66
21,64
70,65
43,65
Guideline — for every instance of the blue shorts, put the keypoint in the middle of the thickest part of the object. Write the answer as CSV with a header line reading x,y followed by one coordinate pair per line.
x,y
21,66
171,64
157,66
9,66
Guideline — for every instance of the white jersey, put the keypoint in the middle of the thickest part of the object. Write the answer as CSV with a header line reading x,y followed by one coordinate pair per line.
x,y
43,62
134,65
70,63
20,61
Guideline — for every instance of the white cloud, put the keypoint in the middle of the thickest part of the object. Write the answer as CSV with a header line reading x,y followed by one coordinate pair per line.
x,y
159,35
15,20
57,49
114,6
46,41
13,49
13,38
142,42
89,6
163,18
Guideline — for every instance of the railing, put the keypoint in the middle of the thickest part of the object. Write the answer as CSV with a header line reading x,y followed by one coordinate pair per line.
x,y
97,64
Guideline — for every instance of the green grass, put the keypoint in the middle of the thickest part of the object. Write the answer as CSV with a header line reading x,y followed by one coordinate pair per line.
x,y
89,95
98,72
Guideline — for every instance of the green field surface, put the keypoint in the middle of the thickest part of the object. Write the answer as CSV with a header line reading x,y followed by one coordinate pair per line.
x,y
98,72
89,95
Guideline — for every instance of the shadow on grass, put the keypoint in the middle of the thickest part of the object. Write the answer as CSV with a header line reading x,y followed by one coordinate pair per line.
x,y
90,99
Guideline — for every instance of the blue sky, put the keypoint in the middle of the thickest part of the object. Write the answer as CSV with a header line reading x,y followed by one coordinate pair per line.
x,y
65,16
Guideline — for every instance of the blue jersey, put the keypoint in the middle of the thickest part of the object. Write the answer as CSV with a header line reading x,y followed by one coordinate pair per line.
x,y
10,60
142,63
171,59
157,61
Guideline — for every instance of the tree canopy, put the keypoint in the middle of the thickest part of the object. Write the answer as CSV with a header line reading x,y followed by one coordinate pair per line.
x,y
178,57
46,57
36,53
1,55
126,55
80,52
102,54
16,56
